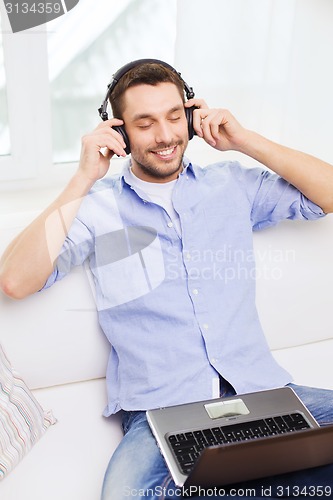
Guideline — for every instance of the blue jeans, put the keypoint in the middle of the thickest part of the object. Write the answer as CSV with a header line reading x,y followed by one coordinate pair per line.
x,y
137,469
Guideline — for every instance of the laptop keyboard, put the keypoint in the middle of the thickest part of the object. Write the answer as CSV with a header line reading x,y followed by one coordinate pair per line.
x,y
187,446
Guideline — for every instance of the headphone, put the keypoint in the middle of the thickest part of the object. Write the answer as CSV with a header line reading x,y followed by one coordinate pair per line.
x,y
120,73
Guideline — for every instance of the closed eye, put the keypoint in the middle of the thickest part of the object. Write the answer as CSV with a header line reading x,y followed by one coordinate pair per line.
x,y
144,125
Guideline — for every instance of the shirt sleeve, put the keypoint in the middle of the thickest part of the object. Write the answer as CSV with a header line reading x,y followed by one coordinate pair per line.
x,y
274,199
76,249
86,229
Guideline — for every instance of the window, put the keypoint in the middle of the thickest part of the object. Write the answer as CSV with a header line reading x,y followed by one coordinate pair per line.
x,y
57,76
86,46
4,128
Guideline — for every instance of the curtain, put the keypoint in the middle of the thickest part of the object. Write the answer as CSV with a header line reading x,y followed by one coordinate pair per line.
x,y
268,61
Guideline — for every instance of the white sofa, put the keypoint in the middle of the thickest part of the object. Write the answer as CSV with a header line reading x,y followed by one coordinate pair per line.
x,y
54,341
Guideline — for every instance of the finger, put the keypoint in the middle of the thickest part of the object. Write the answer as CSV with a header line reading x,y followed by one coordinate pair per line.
x,y
107,153
106,138
206,132
109,123
216,124
210,126
198,103
203,116
198,115
115,145
110,132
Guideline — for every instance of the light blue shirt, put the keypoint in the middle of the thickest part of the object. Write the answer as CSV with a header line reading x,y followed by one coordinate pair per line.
x,y
180,310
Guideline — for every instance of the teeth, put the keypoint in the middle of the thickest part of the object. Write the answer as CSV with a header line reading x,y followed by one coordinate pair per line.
x,y
165,152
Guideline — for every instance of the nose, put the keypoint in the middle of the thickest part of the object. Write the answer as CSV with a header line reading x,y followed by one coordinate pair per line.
x,y
163,132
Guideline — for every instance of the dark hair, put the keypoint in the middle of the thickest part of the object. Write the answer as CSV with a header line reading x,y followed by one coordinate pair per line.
x,y
147,74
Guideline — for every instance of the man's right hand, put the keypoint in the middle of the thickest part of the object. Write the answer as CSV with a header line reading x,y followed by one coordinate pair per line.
x,y
98,147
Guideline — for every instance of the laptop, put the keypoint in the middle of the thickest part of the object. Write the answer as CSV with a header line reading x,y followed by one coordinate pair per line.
x,y
230,440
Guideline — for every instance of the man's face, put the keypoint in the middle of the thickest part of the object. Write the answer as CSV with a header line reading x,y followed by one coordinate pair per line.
x,y
156,126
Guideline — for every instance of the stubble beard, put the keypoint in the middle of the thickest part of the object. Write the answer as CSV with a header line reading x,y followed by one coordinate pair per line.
x,y
156,168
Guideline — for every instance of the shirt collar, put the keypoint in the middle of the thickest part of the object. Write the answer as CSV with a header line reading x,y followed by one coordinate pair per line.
x,y
125,177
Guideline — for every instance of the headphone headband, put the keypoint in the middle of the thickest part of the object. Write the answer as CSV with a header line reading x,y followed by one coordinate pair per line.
x,y
127,67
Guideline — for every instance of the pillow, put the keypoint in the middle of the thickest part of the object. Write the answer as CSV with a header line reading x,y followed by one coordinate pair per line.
x,y
22,419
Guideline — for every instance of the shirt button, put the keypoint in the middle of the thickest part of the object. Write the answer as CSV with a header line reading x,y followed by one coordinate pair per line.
x,y
214,360
170,224
188,256
195,291
205,326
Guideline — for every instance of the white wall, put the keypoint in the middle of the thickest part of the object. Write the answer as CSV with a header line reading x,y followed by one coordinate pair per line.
x,y
268,61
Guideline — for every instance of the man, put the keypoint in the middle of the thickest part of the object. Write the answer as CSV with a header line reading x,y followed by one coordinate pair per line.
x,y
179,331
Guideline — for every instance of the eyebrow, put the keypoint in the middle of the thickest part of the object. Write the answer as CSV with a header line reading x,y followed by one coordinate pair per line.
x,y
142,116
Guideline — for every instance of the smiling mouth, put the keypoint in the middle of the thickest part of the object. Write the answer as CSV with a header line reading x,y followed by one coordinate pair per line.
x,y
165,153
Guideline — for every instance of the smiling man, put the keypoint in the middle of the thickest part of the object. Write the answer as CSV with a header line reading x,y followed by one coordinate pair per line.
x,y
159,134
176,335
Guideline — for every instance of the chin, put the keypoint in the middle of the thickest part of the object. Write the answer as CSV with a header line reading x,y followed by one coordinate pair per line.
x,y
156,168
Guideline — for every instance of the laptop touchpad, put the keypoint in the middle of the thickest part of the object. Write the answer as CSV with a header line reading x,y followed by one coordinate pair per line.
x,y
231,408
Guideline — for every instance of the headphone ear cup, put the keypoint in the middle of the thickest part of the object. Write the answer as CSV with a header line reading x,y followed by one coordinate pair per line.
x,y
189,117
121,130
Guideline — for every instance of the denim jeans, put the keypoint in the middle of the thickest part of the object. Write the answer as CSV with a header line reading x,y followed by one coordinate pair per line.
x,y
137,469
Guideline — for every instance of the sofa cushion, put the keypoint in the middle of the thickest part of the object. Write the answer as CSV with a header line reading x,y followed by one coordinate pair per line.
x,y
56,327
70,461
45,332
309,364
22,420
294,273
